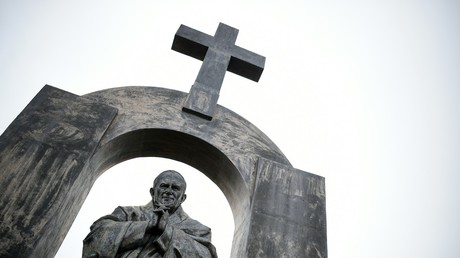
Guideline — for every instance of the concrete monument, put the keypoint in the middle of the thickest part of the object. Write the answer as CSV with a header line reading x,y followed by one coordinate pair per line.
x,y
54,151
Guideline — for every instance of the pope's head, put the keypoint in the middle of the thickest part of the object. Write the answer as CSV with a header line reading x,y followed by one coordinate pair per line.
x,y
168,190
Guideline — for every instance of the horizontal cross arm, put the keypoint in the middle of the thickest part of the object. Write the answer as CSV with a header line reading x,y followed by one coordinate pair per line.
x,y
246,63
191,42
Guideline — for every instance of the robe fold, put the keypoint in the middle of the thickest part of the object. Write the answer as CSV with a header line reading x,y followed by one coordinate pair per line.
x,y
122,234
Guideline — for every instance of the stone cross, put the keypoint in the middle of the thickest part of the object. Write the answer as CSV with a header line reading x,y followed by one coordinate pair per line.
x,y
219,54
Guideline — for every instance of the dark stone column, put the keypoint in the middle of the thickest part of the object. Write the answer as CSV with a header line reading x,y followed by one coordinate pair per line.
x,y
288,213
42,155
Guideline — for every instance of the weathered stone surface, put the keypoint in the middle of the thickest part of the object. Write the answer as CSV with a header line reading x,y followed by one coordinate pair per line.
x,y
219,55
41,156
288,213
149,122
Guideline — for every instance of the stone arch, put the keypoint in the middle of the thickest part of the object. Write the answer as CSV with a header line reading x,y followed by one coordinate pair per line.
x,y
181,147
61,143
150,122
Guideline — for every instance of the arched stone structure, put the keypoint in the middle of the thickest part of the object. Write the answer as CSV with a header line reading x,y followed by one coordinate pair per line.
x,y
51,155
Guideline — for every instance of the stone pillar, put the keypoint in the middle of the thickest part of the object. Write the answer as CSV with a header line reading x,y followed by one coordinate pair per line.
x,y
288,213
42,156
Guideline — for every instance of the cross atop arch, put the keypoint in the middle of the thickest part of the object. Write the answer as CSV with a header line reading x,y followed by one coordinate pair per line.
x,y
219,55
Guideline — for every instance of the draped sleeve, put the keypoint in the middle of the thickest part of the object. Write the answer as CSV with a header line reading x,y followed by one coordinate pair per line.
x,y
115,232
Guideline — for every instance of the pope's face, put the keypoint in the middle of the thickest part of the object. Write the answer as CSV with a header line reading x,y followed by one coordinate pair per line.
x,y
169,191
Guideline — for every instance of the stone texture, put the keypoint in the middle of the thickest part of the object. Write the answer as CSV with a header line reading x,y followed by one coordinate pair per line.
x,y
41,155
288,213
54,151
219,55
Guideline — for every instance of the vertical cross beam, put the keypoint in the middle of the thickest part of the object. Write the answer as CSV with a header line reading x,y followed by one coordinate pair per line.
x,y
219,54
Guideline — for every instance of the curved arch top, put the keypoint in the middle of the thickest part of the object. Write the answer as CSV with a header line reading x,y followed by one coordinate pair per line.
x,y
141,108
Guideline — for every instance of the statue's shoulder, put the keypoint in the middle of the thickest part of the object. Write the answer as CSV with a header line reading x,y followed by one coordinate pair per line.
x,y
191,223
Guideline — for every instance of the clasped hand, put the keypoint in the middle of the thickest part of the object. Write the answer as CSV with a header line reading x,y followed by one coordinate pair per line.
x,y
159,224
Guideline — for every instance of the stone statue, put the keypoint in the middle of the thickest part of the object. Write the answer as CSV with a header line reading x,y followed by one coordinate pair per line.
x,y
159,229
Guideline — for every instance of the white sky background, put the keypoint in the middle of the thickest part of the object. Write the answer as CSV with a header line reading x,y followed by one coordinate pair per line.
x,y
364,93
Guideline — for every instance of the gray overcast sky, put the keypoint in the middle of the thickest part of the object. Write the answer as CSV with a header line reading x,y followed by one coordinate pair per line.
x,y
364,93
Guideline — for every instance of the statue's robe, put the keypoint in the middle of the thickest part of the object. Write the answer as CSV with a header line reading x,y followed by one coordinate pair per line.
x,y
123,234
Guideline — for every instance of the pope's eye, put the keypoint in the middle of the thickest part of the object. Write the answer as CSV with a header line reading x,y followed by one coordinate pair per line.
x,y
175,187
